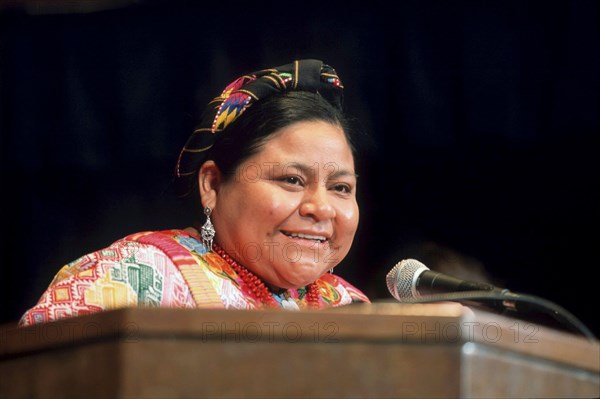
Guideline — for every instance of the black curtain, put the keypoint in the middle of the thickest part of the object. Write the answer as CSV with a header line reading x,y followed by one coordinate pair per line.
x,y
484,117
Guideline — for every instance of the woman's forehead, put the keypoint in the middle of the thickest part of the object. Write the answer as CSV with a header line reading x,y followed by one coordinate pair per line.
x,y
306,143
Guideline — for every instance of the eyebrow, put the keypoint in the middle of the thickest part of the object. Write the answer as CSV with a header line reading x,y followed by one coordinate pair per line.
x,y
309,170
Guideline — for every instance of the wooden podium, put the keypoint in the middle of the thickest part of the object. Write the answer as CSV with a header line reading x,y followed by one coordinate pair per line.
x,y
359,351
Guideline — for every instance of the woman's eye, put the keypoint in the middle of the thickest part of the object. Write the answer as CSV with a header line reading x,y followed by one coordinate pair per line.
x,y
342,188
294,180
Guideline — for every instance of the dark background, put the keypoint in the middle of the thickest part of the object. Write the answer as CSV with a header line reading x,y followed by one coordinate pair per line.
x,y
485,116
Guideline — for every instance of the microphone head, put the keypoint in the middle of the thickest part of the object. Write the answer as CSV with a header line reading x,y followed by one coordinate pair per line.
x,y
402,279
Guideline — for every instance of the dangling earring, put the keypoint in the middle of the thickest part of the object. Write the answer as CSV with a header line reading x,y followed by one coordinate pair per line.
x,y
207,231
331,271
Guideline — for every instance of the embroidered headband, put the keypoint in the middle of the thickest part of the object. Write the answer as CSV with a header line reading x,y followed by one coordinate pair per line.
x,y
301,75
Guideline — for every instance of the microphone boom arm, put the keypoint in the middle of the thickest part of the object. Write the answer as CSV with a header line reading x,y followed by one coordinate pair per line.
x,y
511,301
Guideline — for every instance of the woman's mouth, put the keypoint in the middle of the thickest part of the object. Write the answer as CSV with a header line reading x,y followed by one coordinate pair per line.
x,y
305,236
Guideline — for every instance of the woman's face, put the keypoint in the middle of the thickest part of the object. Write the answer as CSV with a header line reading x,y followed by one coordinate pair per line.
x,y
290,212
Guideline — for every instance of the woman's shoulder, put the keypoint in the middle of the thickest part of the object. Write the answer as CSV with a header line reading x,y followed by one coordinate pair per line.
x,y
150,235
147,249
171,241
139,269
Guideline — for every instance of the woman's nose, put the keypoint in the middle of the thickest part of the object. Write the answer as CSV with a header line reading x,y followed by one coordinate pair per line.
x,y
317,205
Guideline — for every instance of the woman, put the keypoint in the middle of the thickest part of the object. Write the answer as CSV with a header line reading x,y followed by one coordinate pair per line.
x,y
273,163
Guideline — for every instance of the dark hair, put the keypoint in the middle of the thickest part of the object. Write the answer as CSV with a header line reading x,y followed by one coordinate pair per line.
x,y
246,136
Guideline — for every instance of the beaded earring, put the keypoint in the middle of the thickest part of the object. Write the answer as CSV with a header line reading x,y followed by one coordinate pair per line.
x,y
207,231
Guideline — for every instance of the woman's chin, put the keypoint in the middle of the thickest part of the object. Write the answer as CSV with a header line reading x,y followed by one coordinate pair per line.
x,y
302,275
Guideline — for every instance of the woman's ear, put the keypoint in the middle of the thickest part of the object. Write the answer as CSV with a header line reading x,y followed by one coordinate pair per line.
x,y
209,181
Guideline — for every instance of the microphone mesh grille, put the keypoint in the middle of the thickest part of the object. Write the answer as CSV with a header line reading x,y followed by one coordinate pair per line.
x,y
402,278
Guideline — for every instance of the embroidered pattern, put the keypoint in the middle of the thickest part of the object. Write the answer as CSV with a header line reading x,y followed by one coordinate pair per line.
x,y
168,268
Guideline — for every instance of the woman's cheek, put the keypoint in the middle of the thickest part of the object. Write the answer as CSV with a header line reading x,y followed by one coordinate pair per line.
x,y
349,215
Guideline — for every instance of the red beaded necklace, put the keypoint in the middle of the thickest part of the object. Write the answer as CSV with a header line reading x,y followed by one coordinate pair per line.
x,y
258,288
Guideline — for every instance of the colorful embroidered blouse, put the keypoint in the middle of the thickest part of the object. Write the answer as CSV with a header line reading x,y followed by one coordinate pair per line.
x,y
168,268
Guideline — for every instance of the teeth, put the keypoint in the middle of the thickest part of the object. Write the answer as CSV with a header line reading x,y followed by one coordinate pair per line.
x,y
306,236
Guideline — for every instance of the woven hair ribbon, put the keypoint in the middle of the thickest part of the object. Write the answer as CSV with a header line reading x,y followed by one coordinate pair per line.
x,y
301,75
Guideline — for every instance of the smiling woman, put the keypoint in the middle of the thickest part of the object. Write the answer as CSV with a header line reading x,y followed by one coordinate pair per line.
x,y
297,206
271,166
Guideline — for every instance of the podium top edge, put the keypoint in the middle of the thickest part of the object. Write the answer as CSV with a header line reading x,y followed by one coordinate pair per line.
x,y
391,323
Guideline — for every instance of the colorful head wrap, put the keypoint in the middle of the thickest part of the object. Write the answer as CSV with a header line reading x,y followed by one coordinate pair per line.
x,y
301,75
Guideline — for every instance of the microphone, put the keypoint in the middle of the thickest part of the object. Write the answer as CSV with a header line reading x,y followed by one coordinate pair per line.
x,y
411,279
